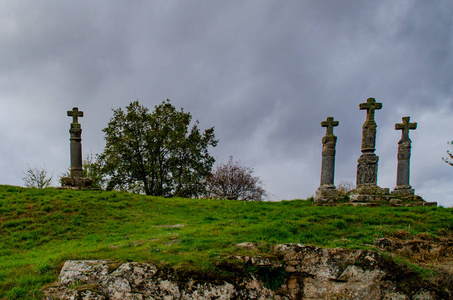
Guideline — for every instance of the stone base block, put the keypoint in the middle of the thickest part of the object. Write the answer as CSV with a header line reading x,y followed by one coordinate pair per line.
x,y
369,193
407,194
76,182
403,191
398,202
408,198
326,195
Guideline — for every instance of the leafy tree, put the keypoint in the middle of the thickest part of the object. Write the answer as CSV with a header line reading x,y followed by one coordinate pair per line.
x,y
235,182
37,178
449,160
156,153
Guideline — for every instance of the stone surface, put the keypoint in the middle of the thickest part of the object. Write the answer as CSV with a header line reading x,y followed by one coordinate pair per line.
x,y
76,182
396,202
246,245
83,271
367,170
369,193
327,192
309,273
403,191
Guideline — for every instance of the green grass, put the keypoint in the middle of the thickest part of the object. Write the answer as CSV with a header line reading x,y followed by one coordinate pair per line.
x,y
41,229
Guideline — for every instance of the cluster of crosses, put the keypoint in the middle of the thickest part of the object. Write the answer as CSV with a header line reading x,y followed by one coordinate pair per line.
x,y
366,189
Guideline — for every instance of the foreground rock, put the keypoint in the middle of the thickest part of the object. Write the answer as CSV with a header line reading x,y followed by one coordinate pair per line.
x,y
293,271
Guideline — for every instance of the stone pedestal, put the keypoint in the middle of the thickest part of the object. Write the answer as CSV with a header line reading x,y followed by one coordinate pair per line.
x,y
367,168
367,189
76,150
403,191
76,182
326,194
369,193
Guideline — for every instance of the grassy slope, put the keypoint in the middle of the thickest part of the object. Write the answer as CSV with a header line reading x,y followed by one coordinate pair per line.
x,y
40,229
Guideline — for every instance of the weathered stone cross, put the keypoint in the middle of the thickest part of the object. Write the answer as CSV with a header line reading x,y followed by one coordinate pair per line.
x,y
329,124
367,167
405,127
370,106
327,192
403,187
75,114
369,126
76,180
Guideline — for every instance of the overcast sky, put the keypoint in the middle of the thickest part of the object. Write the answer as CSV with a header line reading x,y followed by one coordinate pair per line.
x,y
264,73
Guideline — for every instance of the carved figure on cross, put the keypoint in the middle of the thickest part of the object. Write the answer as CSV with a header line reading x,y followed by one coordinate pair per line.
x,y
371,105
405,127
329,124
75,114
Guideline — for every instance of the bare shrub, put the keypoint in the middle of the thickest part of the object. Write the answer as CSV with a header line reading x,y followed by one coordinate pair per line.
x,y
345,187
450,159
235,182
37,178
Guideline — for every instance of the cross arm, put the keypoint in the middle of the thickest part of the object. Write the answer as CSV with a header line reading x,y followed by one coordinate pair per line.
x,y
75,114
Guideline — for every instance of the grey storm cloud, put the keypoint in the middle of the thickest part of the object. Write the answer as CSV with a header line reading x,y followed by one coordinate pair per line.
x,y
264,73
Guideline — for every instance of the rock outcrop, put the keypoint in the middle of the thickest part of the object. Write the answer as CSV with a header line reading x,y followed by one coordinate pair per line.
x,y
293,271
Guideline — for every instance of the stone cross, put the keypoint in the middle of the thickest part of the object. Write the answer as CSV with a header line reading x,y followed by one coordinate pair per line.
x,y
75,114
367,167
369,127
76,143
371,105
403,187
405,127
329,124
327,191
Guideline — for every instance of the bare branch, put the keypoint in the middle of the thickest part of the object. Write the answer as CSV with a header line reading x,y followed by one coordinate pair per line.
x,y
449,160
235,182
37,178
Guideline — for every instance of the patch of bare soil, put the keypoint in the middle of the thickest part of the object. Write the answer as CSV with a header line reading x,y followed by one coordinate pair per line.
x,y
435,253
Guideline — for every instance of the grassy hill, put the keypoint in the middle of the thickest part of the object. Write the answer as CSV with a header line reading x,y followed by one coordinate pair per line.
x,y
41,229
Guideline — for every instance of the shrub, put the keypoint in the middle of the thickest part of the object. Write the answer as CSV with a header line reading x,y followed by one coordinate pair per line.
x,y
235,182
37,178
449,160
344,188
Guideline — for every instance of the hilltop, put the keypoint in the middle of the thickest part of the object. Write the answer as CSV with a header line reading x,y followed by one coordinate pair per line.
x,y
40,229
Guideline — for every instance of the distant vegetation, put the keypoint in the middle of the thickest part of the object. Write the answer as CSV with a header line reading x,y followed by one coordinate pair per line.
x,y
42,228
37,177
450,159
234,182
156,153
